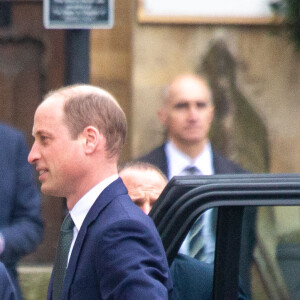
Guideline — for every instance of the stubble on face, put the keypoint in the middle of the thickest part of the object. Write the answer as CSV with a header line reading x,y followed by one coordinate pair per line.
x,y
56,150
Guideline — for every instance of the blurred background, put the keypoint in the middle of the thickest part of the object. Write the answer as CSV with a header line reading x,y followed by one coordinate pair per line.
x,y
249,54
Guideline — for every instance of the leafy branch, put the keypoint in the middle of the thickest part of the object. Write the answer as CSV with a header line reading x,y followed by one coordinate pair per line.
x,y
290,11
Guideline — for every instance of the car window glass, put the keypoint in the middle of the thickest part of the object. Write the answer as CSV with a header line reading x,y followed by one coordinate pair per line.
x,y
274,270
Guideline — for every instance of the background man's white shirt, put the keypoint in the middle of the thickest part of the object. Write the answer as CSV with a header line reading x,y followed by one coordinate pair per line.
x,y
177,162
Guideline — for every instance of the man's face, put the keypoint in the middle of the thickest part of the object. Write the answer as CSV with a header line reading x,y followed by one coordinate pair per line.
x,y
56,155
188,112
144,187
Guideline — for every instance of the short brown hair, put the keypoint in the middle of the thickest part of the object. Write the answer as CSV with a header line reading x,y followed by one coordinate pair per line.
x,y
87,105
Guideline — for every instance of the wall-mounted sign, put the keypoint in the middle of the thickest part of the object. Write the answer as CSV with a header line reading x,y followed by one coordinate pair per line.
x,y
78,14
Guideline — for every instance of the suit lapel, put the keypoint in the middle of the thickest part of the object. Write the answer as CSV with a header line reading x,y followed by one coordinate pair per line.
x,y
218,164
114,189
164,161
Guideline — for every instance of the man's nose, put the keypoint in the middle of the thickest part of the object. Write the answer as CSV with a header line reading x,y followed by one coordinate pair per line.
x,y
33,154
193,112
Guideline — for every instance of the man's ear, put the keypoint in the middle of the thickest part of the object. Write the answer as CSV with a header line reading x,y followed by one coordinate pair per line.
x,y
212,113
93,139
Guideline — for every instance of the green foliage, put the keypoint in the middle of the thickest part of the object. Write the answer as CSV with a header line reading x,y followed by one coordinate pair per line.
x,y
290,11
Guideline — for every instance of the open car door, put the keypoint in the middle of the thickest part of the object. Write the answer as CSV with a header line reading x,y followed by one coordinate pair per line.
x,y
187,197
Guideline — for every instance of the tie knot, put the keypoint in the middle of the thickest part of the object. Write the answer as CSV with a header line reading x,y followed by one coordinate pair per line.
x,y
192,170
68,223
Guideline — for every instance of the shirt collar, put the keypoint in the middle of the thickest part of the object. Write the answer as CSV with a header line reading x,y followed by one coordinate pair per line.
x,y
204,162
178,161
82,207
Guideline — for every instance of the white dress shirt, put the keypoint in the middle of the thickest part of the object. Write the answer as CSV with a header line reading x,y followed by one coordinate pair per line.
x,y
82,207
177,162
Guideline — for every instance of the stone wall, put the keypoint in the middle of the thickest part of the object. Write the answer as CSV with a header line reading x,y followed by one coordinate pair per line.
x,y
267,75
110,60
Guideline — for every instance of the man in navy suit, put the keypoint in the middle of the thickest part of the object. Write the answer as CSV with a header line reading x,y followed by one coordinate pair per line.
x,y
21,226
187,113
7,290
116,252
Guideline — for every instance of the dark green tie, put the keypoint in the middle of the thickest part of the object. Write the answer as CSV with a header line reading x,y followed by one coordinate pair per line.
x,y
61,257
192,170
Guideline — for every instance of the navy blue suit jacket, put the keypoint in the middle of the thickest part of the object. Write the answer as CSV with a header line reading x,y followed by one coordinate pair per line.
x,y
221,165
7,290
118,253
20,213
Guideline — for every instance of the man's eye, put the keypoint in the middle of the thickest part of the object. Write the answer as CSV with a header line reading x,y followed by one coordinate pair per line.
x,y
202,104
181,105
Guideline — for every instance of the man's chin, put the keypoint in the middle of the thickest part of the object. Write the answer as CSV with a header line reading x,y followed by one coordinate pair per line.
x,y
49,191
192,140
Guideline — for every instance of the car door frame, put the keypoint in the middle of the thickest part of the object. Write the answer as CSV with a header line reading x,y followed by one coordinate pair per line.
x,y
185,198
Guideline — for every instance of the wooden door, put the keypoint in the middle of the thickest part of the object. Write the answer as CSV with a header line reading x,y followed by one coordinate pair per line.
x,y
31,63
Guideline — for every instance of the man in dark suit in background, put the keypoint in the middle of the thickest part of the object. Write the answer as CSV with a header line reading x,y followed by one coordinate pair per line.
x,y
114,250
187,113
21,226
